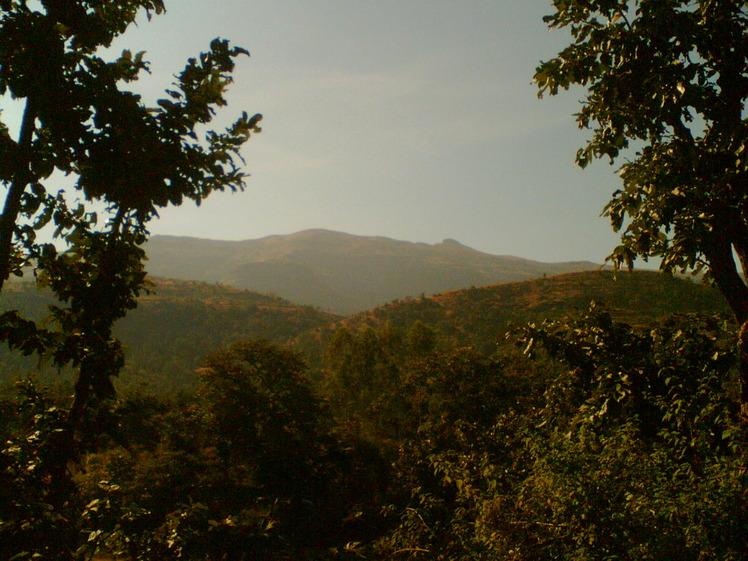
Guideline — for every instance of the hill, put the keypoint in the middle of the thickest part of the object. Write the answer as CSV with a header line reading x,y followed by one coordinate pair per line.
x,y
340,272
168,335
481,317
172,329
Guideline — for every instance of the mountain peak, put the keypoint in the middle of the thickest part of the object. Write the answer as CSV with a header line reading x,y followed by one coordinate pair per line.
x,y
452,242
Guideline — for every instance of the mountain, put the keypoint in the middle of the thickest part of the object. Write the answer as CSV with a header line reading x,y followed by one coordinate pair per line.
x,y
340,272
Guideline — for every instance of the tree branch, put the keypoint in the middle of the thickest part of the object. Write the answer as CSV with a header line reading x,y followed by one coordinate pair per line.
x,y
682,132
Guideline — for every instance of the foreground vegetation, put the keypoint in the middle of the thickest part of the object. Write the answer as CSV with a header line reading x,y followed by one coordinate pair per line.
x,y
585,439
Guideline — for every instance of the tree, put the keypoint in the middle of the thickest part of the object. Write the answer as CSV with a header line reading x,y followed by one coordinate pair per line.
x,y
263,408
131,159
123,159
421,339
666,87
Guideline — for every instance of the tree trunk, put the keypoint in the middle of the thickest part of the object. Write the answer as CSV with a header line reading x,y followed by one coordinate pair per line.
x,y
743,369
724,271
20,181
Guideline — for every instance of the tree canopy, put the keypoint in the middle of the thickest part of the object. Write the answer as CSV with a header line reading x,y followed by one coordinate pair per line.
x,y
125,159
666,88
89,167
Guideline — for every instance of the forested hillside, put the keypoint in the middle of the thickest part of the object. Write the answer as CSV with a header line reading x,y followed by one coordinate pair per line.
x,y
481,317
419,432
177,324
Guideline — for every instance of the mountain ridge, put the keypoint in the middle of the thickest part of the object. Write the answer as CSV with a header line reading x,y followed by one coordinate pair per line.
x,y
339,272
481,316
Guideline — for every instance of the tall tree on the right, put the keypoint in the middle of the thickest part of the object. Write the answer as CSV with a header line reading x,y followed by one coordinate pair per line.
x,y
666,84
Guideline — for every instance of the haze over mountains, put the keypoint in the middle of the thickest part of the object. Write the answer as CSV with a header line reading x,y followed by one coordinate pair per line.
x,y
340,272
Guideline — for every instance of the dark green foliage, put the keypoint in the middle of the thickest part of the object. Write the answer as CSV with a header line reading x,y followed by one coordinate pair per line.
x,y
670,80
457,386
668,76
643,459
81,120
173,328
421,340
248,467
362,379
652,376
124,159
616,442
611,442
37,518
634,451
257,399
177,325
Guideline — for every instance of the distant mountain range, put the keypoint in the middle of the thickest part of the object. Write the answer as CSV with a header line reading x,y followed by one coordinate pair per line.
x,y
341,272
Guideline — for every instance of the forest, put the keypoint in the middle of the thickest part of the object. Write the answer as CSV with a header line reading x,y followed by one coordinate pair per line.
x,y
520,422
413,431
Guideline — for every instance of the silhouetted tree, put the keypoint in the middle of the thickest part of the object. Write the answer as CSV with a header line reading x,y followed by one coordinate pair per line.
x,y
124,160
667,84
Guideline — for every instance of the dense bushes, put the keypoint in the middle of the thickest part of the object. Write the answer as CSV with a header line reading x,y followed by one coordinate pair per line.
x,y
635,451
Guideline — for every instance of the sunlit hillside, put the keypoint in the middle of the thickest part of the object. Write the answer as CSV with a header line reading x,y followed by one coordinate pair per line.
x,y
482,316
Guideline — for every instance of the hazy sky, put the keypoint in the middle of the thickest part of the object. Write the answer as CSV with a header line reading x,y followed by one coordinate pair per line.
x,y
411,119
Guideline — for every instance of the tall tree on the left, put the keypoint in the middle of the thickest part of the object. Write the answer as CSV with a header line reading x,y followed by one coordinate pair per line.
x,y
88,168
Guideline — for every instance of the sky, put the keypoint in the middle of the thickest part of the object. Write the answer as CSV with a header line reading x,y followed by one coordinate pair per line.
x,y
411,119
